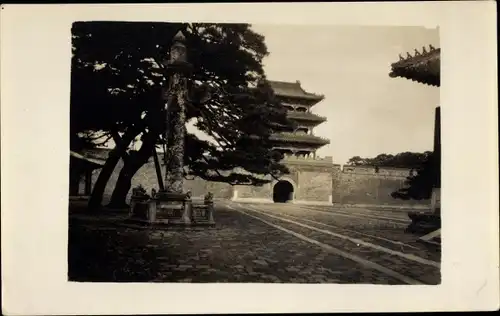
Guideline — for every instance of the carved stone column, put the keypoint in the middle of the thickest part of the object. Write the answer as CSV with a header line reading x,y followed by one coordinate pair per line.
x,y
437,146
176,98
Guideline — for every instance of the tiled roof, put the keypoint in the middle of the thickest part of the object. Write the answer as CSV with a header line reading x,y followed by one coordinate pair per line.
x,y
293,89
423,67
305,116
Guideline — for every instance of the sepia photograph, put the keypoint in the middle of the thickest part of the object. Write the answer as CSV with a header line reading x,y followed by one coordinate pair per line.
x,y
224,158
254,153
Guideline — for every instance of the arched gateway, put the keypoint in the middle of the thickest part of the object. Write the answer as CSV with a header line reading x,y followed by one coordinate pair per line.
x,y
282,192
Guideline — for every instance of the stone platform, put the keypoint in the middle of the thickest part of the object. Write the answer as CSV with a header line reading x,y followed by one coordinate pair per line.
x,y
167,209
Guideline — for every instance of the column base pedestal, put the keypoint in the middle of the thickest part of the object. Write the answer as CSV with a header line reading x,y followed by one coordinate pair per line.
x,y
167,209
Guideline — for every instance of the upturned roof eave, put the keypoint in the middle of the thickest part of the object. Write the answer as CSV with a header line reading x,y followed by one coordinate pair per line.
x,y
308,118
423,67
434,82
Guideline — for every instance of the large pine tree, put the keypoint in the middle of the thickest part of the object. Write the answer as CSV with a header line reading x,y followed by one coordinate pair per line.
x,y
117,86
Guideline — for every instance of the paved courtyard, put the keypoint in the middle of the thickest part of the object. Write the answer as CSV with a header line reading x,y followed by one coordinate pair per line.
x,y
256,243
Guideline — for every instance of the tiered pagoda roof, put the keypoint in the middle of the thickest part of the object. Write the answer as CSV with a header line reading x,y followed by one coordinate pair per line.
x,y
299,102
310,117
293,90
423,67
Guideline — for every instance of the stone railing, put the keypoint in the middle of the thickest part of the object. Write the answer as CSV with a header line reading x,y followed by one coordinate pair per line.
x,y
323,162
293,137
327,159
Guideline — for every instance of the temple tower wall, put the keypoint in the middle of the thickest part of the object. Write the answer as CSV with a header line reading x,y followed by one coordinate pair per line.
x,y
310,178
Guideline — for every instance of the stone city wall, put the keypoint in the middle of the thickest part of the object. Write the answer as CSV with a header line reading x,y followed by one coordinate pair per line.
x,y
365,185
314,180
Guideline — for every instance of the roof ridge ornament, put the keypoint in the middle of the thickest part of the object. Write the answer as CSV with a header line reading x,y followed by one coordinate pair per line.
x,y
422,67
179,37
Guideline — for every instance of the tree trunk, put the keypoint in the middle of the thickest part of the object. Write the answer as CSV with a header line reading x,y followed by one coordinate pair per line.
x,y
100,185
107,170
123,185
130,168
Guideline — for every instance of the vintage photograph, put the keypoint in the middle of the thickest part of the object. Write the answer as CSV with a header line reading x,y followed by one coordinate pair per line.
x,y
254,153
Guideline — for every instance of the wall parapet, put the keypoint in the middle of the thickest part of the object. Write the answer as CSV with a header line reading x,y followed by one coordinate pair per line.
x,y
378,171
321,160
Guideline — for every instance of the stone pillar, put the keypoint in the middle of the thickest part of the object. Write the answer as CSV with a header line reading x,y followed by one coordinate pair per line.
x,y
176,98
436,191
152,210
210,212
437,147
187,214
436,201
208,201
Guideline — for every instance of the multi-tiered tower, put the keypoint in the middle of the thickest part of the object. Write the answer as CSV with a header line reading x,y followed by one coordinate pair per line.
x,y
298,141
310,177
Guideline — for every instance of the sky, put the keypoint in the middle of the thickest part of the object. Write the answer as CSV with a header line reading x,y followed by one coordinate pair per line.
x,y
368,113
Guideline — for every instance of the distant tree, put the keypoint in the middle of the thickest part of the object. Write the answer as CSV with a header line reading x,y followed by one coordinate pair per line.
x,y
419,186
408,160
356,161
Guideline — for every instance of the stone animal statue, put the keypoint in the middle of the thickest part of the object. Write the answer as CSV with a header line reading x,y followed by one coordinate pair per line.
x,y
139,191
209,197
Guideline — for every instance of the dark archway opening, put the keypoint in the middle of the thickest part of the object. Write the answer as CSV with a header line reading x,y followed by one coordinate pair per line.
x,y
282,192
